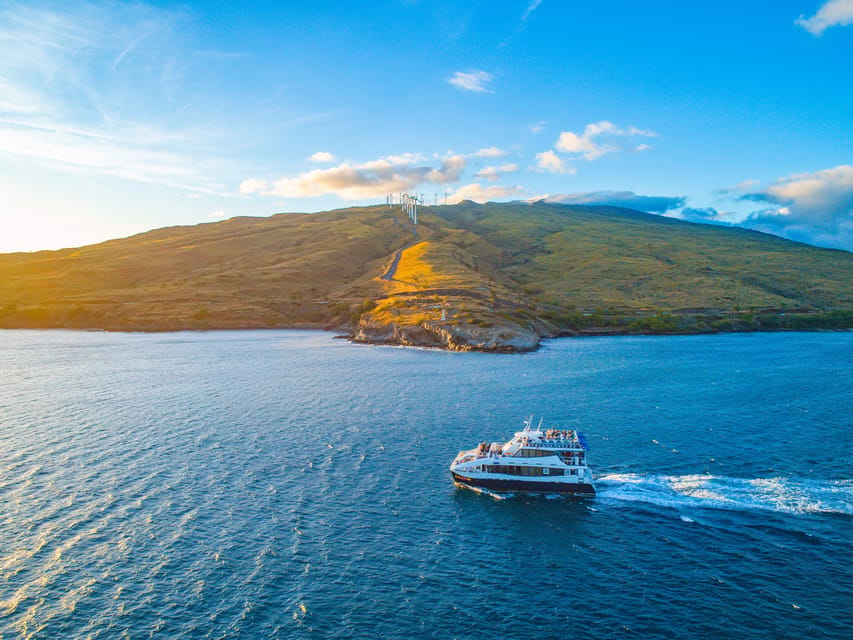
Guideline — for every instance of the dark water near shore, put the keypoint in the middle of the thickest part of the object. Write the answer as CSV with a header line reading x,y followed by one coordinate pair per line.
x,y
289,485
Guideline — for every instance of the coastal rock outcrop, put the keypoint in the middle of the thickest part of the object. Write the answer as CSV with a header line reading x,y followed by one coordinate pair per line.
x,y
503,338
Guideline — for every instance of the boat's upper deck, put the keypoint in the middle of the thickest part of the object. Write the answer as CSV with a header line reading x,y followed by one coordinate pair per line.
x,y
558,439
566,444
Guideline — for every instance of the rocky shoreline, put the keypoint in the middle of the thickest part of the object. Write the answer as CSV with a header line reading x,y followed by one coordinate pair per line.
x,y
510,337
502,339
497,336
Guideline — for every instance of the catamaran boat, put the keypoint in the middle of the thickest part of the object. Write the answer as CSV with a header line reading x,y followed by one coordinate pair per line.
x,y
535,460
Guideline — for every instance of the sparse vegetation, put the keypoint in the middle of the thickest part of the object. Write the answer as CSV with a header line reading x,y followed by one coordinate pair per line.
x,y
547,268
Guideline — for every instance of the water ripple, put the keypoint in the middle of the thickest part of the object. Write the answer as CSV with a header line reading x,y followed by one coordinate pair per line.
x,y
286,485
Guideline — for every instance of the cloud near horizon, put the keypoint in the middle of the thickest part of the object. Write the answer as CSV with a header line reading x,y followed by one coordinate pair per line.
x,y
478,193
707,215
816,208
373,179
831,14
378,178
626,199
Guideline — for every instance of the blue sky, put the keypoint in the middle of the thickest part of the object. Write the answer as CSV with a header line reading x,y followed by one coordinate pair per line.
x,y
117,118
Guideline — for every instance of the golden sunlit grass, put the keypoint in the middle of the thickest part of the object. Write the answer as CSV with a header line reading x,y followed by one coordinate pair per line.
x,y
415,268
429,265
443,272
401,312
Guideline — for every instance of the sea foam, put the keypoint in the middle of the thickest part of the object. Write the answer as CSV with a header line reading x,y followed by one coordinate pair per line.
x,y
782,495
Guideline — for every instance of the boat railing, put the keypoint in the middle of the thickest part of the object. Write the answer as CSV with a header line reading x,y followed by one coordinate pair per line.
x,y
504,454
554,444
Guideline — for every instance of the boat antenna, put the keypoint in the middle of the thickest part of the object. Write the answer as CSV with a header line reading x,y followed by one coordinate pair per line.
x,y
540,424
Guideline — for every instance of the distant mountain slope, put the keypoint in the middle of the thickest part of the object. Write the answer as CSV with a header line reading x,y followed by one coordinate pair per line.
x,y
624,260
494,277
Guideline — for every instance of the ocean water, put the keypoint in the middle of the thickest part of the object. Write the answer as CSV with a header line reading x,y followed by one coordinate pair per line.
x,y
285,484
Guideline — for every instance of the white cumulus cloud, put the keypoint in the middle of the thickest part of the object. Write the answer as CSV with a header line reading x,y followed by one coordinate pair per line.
x,y
832,13
322,156
812,207
599,139
819,195
551,162
253,185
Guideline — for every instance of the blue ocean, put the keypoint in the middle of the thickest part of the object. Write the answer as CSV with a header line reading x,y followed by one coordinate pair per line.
x,y
287,484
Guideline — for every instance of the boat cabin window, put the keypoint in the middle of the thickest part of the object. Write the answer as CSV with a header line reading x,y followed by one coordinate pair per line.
x,y
519,470
534,453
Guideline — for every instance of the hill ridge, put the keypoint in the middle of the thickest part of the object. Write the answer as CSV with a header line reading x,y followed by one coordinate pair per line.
x,y
495,276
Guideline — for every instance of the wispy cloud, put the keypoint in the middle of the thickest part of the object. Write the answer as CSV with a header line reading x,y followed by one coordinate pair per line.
x,y
741,188
521,26
832,13
601,138
20,100
530,9
221,55
493,174
115,156
475,81
489,152
70,98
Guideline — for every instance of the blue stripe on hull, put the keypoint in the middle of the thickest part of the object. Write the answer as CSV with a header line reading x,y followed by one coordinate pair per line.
x,y
502,484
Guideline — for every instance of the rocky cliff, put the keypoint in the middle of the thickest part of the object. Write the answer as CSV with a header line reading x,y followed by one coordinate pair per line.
x,y
506,338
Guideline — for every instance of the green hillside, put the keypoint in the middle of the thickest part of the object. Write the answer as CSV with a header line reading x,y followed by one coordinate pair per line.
x,y
473,276
624,261
285,270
